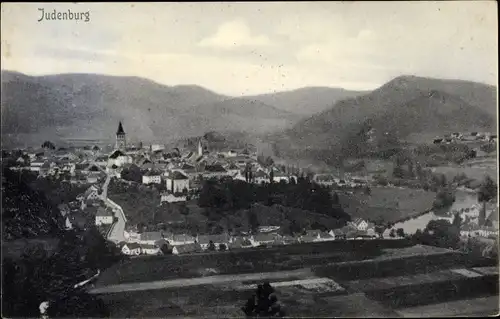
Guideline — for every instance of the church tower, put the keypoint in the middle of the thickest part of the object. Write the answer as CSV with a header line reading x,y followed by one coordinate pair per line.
x,y
121,142
200,148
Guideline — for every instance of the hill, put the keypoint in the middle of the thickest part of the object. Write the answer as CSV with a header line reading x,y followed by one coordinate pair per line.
x,y
305,101
406,105
89,106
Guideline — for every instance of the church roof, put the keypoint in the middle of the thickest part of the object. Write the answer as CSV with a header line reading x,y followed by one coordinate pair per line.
x,y
120,129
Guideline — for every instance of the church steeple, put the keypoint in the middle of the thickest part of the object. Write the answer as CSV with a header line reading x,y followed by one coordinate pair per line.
x,y
200,148
120,129
120,137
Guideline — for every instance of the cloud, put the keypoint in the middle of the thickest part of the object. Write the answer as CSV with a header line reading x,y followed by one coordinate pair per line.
x,y
234,34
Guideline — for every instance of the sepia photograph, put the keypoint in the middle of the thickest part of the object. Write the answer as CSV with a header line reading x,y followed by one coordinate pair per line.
x,y
249,159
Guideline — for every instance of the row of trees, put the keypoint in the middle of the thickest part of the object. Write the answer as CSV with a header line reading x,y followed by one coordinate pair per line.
x,y
234,195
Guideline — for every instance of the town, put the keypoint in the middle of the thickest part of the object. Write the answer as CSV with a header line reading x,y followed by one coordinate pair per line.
x,y
179,174
266,159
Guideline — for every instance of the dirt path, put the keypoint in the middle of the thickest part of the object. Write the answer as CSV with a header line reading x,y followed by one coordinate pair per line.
x,y
210,280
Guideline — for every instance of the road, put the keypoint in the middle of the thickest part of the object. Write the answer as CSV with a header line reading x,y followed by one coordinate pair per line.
x,y
116,233
209,280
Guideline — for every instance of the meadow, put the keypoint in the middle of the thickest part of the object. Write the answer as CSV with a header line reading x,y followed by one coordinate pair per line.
x,y
389,203
475,169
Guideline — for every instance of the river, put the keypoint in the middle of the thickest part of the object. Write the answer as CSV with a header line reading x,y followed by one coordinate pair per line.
x,y
463,199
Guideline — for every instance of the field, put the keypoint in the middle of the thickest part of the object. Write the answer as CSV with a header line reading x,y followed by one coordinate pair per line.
x,y
389,203
242,261
475,169
323,292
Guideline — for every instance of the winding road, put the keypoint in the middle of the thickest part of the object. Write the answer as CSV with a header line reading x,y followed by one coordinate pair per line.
x,y
117,230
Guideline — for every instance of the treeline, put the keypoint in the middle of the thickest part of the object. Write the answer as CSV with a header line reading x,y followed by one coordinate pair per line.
x,y
235,195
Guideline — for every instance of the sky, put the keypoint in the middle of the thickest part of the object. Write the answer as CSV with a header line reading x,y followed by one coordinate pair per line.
x,y
251,48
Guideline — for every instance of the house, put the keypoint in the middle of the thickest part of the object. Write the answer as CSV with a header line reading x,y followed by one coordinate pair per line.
x,y
67,223
157,147
104,216
147,249
260,177
101,161
151,177
360,224
151,238
92,194
35,165
171,198
131,249
262,239
44,169
239,242
232,169
387,233
268,229
186,249
204,241
177,182
182,239
288,240
231,153
215,171
119,158
114,171
326,236
339,234
280,176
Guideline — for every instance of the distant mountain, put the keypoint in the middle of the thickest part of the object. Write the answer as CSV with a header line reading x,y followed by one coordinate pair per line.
x,y
89,106
306,101
406,105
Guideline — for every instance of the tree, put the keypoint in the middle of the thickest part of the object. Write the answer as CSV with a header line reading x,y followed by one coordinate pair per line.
x,y
418,171
439,233
166,249
444,198
264,303
398,171
367,190
392,233
253,221
410,170
222,247
400,232
457,220
379,229
48,145
211,246
486,192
